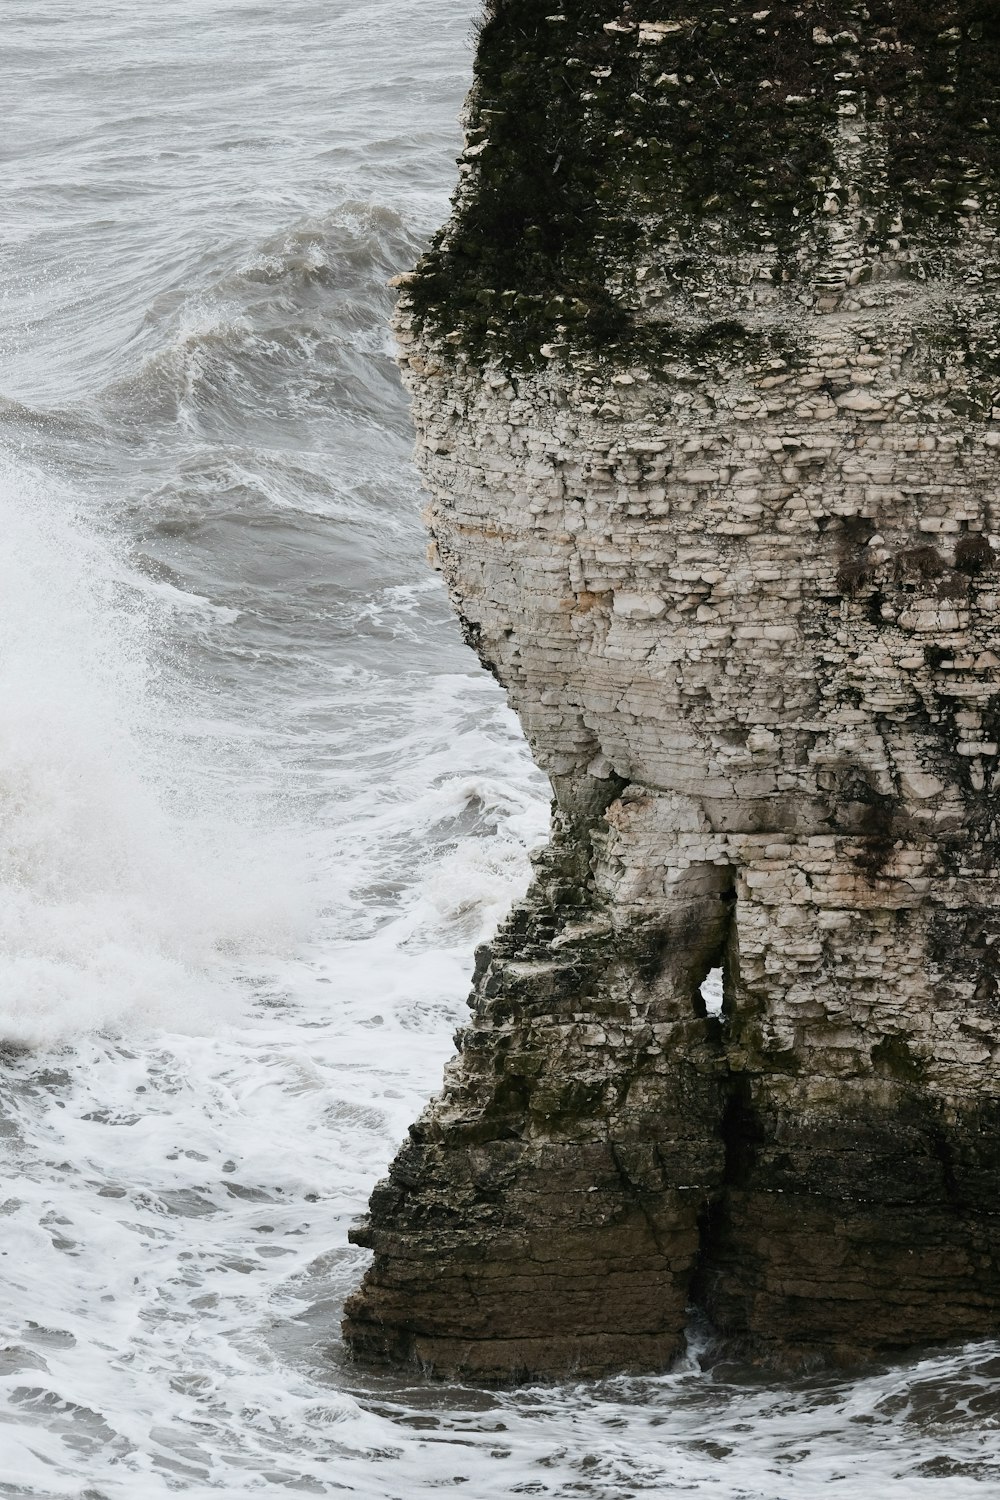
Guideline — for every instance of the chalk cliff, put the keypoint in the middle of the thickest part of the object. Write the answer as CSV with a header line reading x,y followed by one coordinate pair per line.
x,y
706,378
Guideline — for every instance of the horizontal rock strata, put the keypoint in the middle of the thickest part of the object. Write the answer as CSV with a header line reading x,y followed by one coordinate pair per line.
x,y
715,486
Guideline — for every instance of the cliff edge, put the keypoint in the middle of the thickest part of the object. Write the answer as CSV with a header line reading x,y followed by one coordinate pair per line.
x,y
706,378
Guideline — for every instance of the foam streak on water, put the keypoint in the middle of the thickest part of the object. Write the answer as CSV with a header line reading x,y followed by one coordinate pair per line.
x,y
258,804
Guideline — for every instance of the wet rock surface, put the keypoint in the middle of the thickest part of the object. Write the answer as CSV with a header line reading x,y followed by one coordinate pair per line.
x,y
736,565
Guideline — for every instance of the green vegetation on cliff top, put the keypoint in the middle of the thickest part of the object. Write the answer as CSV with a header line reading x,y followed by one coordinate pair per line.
x,y
602,133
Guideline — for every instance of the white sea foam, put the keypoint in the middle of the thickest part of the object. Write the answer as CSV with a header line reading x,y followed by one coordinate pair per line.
x,y
124,892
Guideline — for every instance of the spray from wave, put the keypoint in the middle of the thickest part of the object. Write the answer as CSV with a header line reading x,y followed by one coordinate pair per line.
x,y
123,883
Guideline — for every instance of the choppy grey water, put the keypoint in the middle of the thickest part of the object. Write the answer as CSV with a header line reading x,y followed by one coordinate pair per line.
x,y
257,803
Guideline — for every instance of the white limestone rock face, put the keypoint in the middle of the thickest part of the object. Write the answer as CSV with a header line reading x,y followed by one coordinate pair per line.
x,y
745,603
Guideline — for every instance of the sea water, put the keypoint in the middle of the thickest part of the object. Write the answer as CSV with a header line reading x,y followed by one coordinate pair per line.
x,y
258,804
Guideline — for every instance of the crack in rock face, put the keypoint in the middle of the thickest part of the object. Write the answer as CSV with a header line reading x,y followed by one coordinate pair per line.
x,y
714,480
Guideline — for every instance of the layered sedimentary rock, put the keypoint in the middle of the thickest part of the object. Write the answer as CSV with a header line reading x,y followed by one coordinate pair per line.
x,y
706,379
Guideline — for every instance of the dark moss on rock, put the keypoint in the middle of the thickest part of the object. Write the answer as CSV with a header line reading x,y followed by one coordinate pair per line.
x,y
603,136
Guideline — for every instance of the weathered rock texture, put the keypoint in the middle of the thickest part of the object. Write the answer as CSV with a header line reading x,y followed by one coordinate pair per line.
x,y
704,371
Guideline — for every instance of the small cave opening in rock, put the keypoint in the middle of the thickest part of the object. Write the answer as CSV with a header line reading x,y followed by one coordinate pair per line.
x,y
714,928
711,993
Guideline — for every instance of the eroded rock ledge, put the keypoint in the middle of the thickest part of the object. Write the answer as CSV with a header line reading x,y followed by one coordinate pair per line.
x,y
706,378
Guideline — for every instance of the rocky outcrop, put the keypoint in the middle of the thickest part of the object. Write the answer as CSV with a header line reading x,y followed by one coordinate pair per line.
x,y
706,378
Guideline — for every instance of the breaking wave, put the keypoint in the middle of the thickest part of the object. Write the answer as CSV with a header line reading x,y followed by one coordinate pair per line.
x,y
125,893
292,332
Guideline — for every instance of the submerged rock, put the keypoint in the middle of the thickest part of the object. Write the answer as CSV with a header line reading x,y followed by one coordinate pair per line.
x,y
706,378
